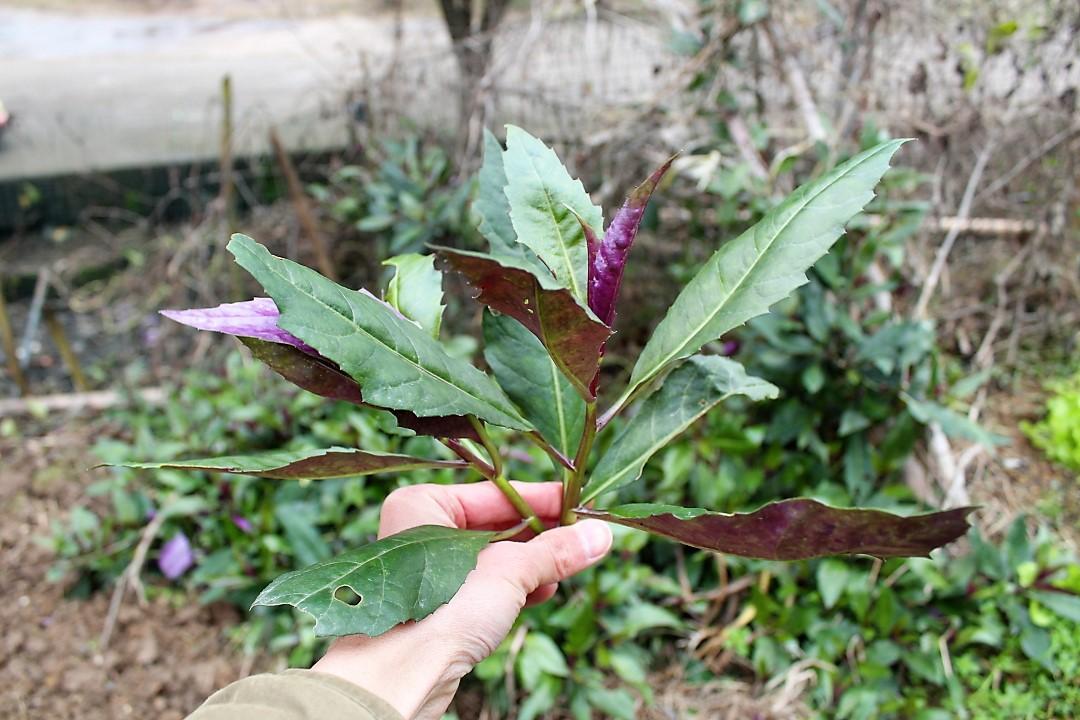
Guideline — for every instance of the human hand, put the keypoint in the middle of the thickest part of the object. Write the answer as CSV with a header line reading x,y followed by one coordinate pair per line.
x,y
417,666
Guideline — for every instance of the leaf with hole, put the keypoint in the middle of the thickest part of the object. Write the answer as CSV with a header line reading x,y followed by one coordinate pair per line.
x,y
370,590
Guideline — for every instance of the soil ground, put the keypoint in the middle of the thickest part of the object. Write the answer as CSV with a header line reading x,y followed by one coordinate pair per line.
x,y
162,661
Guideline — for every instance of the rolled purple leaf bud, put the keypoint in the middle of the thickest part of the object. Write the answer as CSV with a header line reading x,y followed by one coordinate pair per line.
x,y
243,524
609,261
256,318
176,557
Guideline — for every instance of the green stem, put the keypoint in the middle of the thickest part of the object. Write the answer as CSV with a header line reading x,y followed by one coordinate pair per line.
x,y
557,457
572,488
489,446
519,503
511,532
494,473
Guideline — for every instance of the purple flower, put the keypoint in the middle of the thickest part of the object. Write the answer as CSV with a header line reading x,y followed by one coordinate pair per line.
x,y
608,260
256,318
176,557
243,523
729,348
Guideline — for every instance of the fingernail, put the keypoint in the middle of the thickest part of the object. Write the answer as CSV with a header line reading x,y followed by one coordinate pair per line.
x,y
595,537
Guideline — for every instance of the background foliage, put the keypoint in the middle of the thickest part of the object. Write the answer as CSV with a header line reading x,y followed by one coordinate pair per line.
x,y
990,633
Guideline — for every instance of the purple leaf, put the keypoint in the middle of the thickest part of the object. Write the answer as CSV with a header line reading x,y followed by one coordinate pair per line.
x,y
609,260
256,318
572,336
243,524
176,557
318,375
796,529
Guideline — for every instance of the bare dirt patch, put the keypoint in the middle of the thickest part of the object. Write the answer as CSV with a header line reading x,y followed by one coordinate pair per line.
x,y
163,660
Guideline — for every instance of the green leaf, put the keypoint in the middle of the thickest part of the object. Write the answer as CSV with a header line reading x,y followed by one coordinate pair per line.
x,y
1062,603
832,580
532,380
688,393
852,421
813,378
416,290
540,656
491,204
763,265
952,423
796,529
303,464
299,521
571,333
398,365
1035,642
541,195
370,590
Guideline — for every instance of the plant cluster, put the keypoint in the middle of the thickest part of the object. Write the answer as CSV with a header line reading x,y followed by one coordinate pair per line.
x,y
404,198
550,282
1058,433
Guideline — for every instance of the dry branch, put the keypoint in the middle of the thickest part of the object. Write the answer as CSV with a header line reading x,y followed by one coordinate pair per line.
x,y
308,227
796,80
950,239
78,402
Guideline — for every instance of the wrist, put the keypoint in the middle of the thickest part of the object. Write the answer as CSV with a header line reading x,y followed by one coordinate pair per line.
x,y
407,667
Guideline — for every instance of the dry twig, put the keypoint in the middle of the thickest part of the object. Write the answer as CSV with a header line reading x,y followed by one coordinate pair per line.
x,y
963,211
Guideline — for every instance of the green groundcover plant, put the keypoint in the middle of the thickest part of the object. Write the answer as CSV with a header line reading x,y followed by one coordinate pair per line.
x,y
550,283
1058,434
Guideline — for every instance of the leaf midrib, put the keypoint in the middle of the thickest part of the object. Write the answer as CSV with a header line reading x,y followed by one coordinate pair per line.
x,y
558,228
352,322
654,447
757,260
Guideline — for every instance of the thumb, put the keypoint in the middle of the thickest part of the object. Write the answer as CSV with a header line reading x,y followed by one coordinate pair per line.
x,y
559,553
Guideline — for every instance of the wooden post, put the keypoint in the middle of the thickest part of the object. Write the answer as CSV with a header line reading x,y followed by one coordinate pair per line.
x,y
309,228
59,338
226,160
7,337
228,183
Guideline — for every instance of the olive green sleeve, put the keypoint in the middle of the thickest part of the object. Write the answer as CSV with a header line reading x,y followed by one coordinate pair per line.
x,y
294,695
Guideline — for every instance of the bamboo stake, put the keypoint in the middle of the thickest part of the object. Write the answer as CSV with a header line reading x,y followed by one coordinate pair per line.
x,y
71,360
309,228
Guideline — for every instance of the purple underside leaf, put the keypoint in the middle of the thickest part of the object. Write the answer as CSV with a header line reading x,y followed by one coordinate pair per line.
x,y
256,318
318,375
796,529
254,322
607,262
572,336
176,557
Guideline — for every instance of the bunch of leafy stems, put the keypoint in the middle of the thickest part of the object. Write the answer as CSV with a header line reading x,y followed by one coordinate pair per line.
x,y
495,470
